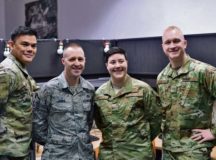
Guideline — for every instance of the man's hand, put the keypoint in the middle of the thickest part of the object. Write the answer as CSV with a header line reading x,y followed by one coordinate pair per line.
x,y
202,135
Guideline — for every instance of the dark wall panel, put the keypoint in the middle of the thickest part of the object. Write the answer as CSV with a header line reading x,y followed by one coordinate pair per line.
x,y
2,46
202,47
145,55
47,62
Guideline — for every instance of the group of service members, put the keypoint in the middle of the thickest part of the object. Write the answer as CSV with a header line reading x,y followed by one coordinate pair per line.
x,y
128,112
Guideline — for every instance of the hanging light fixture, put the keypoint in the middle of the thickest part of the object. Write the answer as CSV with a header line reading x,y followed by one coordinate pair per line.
x,y
6,50
60,48
106,45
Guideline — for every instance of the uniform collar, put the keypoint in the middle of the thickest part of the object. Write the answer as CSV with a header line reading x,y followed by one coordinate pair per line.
x,y
126,88
64,83
185,68
18,64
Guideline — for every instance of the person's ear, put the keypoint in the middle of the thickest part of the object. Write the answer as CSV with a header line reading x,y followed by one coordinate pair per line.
x,y
63,61
11,44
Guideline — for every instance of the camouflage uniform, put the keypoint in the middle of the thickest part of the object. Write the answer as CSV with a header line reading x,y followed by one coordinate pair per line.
x,y
129,120
187,97
15,108
62,119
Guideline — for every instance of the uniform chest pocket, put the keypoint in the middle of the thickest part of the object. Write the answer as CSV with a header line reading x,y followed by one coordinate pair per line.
x,y
190,85
133,106
164,88
104,106
87,102
135,100
190,91
87,106
22,95
61,107
23,89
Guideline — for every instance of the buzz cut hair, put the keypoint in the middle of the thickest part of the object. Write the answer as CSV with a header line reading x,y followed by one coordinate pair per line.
x,y
72,45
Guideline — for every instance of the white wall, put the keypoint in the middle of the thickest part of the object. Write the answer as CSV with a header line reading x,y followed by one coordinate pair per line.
x,y
112,19
193,16
14,14
119,19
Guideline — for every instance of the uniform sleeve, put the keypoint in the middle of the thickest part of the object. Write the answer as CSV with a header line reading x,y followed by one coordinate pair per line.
x,y
91,114
41,102
4,87
154,112
97,117
210,81
8,83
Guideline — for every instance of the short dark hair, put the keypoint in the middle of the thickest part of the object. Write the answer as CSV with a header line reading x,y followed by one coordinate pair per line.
x,y
22,30
114,50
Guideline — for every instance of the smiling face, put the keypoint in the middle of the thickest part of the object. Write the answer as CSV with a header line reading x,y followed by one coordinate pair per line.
x,y
73,61
24,48
117,66
174,44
